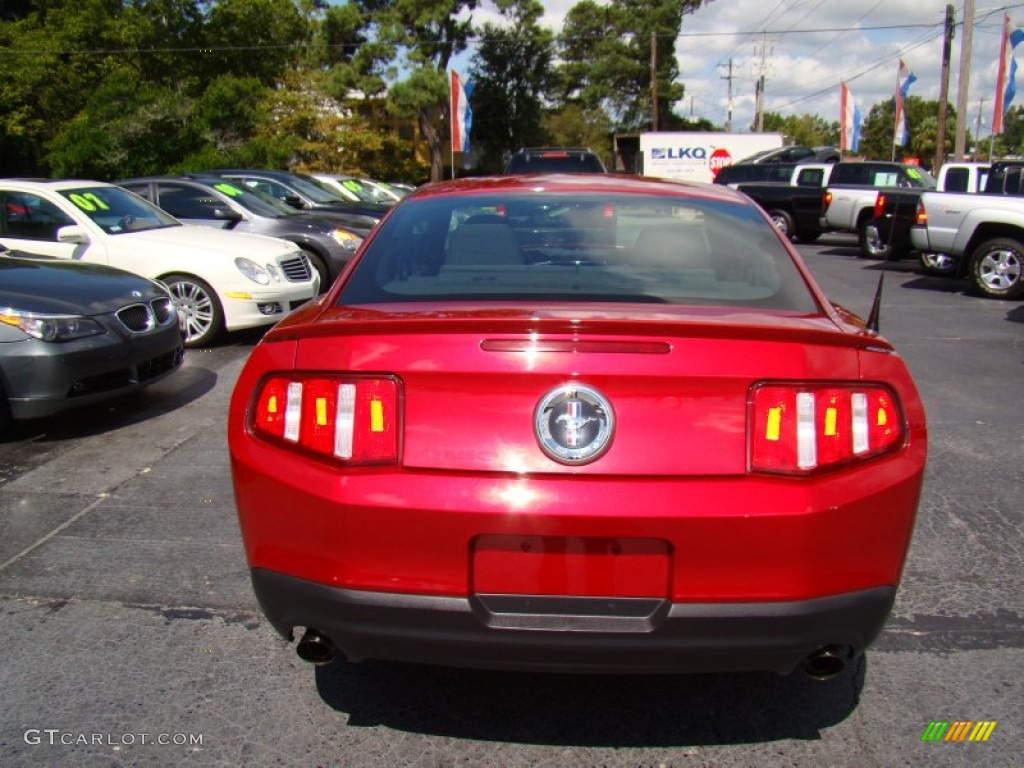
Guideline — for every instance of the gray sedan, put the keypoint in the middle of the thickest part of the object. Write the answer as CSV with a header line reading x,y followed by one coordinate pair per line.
x,y
72,334
225,204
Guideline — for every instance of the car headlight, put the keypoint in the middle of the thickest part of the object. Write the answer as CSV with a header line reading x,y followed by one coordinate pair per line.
x,y
51,327
253,271
346,239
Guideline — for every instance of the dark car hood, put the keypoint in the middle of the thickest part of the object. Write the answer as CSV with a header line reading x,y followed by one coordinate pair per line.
x,y
376,210
38,284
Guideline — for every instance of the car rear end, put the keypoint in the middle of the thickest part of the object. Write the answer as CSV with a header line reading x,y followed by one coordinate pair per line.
x,y
657,465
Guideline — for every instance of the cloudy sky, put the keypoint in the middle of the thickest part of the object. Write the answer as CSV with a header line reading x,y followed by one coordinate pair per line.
x,y
810,46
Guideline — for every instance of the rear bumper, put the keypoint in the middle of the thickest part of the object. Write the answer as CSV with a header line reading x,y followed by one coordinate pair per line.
x,y
559,634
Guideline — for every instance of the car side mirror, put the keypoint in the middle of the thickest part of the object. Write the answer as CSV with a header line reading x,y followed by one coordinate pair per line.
x,y
227,214
293,200
74,234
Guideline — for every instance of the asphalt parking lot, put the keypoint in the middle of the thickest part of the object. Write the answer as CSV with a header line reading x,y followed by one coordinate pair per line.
x,y
130,635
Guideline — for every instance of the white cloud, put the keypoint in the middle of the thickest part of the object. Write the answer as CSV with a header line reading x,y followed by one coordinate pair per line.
x,y
813,45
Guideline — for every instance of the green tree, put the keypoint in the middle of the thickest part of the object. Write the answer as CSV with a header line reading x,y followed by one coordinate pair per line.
x,y
257,38
511,73
606,53
878,129
803,130
575,125
125,129
414,41
1011,140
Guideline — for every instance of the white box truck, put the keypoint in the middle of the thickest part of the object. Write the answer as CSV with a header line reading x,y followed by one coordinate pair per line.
x,y
698,156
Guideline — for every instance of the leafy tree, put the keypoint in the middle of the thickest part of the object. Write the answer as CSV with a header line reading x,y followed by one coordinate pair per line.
x,y
125,129
418,38
1011,140
44,77
258,38
575,125
922,122
803,130
606,55
511,74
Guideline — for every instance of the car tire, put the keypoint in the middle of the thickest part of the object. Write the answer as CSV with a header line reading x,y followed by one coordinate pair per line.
x,y
204,317
997,268
938,264
320,266
871,245
783,222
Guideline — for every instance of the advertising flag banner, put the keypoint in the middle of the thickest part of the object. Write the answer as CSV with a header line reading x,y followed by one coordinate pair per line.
x,y
462,115
849,121
904,79
1006,79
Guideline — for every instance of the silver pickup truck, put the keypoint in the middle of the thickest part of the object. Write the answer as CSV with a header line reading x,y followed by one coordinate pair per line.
x,y
848,204
984,233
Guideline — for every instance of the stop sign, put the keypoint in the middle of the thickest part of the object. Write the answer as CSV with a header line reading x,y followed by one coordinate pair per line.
x,y
718,160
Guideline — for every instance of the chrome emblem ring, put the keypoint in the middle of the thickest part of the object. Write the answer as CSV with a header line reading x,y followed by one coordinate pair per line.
x,y
574,424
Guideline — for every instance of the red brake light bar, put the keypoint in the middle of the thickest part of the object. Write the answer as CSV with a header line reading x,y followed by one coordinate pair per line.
x,y
354,420
799,429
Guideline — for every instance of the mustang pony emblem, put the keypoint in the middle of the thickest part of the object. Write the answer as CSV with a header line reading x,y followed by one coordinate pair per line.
x,y
574,424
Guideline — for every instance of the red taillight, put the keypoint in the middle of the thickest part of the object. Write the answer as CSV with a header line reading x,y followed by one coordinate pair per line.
x,y
350,419
921,217
803,428
879,205
608,211
826,201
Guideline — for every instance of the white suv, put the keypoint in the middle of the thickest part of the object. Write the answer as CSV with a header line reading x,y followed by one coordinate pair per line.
x,y
220,280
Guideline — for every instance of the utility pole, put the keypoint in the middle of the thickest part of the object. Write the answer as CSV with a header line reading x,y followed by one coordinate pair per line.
x,y
728,120
654,81
759,87
965,80
940,139
977,130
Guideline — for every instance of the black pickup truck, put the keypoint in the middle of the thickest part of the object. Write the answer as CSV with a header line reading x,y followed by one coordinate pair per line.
x,y
797,208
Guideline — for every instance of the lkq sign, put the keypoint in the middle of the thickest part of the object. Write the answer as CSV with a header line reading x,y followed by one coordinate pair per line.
x,y
698,156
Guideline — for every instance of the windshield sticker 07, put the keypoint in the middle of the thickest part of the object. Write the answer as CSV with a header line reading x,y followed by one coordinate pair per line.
x,y
88,201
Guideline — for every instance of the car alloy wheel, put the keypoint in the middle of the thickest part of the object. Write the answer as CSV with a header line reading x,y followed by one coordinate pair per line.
x,y
996,268
871,245
204,318
939,264
783,222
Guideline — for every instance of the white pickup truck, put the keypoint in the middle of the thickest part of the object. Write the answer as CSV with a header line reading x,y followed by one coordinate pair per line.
x,y
984,233
848,204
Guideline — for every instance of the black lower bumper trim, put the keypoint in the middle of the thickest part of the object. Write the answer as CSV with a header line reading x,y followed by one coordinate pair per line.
x,y
569,634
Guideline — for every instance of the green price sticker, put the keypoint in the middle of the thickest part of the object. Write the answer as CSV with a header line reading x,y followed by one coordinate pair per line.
x,y
89,202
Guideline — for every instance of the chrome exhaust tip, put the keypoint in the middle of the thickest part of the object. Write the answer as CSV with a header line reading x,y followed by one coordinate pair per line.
x,y
315,648
827,662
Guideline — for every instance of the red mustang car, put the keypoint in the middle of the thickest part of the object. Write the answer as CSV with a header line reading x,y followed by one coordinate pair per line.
x,y
586,423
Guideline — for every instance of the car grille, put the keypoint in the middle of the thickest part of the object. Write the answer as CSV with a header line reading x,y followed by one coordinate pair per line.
x,y
164,310
296,269
139,318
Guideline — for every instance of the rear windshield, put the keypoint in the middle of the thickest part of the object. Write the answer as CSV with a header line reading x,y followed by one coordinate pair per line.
x,y
555,162
577,248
